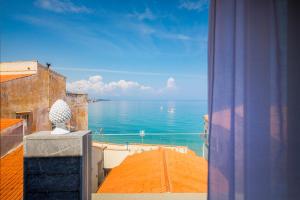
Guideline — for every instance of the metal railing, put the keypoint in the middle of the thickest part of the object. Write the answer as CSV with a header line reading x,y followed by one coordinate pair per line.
x,y
191,141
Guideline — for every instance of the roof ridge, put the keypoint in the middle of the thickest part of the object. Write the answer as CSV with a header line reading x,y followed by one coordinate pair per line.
x,y
166,173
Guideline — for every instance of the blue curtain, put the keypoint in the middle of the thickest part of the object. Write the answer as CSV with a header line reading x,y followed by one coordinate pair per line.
x,y
252,138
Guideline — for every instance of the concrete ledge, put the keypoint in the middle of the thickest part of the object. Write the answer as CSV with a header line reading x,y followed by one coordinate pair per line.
x,y
44,144
57,166
150,196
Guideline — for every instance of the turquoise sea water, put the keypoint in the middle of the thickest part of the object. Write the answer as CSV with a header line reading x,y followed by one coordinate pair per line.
x,y
164,122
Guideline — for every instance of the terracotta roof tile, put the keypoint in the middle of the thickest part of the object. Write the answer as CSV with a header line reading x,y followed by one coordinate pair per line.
x,y
5,123
158,171
11,175
5,78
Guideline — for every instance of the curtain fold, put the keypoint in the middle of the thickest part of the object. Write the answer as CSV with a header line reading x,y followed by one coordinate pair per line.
x,y
248,105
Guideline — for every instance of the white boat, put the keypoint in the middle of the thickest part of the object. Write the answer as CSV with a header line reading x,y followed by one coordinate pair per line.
x,y
171,110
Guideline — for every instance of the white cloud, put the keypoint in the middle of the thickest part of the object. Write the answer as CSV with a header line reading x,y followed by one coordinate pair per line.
x,y
182,37
194,5
146,87
170,87
99,69
95,79
173,36
148,30
146,15
61,6
143,28
96,85
171,84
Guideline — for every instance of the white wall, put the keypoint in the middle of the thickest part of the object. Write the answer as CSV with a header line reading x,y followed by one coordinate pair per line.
x,y
114,154
113,158
19,67
97,172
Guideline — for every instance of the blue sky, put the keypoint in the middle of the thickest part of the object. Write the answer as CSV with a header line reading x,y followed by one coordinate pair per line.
x,y
117,49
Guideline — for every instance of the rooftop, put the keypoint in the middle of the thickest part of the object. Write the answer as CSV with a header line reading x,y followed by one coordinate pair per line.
x,y
5,78
11,175
5,123
19,69
158,171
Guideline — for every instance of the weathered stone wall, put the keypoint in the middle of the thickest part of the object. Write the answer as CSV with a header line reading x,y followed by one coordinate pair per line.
x,y
57,88
35,94
97,171
26,95
32,94
79,107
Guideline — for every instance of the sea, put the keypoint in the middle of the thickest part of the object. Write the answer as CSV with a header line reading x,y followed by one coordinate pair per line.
x,y
161,122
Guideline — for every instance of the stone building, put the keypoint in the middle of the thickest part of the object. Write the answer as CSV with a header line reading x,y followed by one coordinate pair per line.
x,y
78,104
28,89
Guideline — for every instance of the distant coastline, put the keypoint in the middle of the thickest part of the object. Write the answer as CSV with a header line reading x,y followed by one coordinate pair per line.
x,y
97,100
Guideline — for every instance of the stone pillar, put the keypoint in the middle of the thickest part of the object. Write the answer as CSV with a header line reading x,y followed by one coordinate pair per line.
x,y
57,166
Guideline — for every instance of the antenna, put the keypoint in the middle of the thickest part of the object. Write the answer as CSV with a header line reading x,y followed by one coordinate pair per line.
x,y
48,65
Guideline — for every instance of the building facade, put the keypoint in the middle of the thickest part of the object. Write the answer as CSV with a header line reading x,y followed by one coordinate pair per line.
x,y
28,89
78,104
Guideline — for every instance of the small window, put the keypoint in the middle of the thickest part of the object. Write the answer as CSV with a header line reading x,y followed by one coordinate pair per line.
x,y
27,117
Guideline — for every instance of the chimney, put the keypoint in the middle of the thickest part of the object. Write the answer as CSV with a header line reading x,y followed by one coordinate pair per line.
x,y
48,65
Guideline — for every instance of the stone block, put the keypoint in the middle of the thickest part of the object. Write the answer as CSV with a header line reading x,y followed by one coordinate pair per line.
x,y
57,166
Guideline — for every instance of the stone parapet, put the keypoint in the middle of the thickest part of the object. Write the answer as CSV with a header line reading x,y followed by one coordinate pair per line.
x,y
57,166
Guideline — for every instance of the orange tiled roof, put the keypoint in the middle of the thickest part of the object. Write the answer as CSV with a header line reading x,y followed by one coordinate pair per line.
x,y
158,171
5,123
4,78
11,175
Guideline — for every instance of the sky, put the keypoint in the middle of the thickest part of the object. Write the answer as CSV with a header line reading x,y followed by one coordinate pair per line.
x,y
113,49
